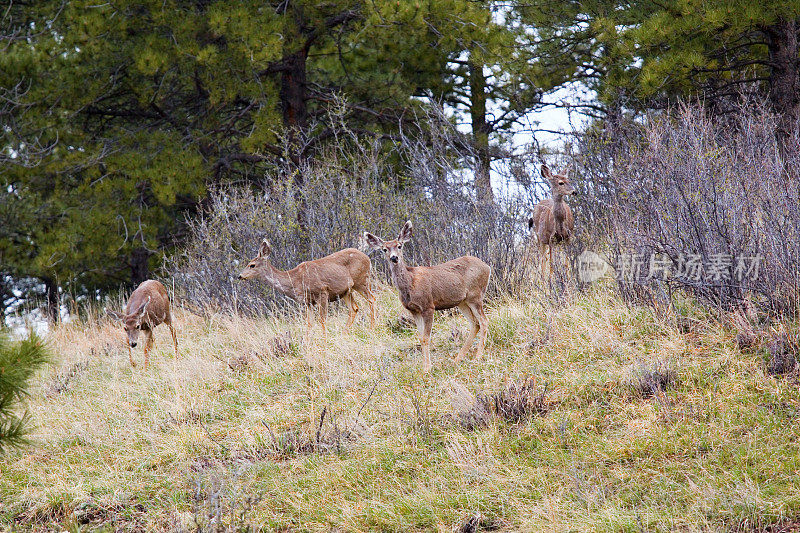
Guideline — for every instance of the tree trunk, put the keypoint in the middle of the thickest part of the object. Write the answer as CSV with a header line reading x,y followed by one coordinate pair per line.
x,y
295,121
784,78
5,295
140,270
53,303
480,133
293,97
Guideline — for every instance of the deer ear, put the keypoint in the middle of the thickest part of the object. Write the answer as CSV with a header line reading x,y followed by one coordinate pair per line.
x,y
406,233
264,249
142,308
566,172
373,241
546,174
115,316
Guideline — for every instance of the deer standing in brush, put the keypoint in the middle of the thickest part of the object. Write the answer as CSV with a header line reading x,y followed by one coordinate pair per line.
x,y
458,283
552,220
317,282
147,307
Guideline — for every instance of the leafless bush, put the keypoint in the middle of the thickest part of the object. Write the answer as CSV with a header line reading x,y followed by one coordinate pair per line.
x,y
518,402
468,410
326,438
650,379
475,522
219,505
699,202
283,345
327,203
782,353
65,376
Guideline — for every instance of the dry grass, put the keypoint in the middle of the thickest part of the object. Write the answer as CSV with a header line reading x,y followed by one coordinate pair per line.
x,y
230,433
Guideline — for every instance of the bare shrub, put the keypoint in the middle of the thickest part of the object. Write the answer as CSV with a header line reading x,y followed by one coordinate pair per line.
x,y
325,204
469,411
283,345
747,338
709,198
782,355
65,376
219,504
475,522
326,438
650,379
516,403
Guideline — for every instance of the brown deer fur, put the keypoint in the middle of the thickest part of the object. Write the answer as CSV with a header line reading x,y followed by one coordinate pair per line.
x,y
552,220
147,307
458,283
315,283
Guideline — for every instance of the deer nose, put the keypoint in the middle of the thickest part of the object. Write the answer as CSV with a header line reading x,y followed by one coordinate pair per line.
x,y
133,345
240,277
394,259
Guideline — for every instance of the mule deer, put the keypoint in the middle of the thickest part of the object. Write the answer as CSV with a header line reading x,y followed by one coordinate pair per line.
x,y
319,281
458,283
147,307
552,219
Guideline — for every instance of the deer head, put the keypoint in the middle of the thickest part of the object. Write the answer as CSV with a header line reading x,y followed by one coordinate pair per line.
x,y
393,250
133,321
560,185
257,264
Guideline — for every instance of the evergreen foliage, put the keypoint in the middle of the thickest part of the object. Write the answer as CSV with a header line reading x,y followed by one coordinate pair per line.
x,y
18,363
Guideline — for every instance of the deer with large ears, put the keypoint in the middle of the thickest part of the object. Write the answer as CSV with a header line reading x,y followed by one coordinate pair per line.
x,y
147,307
552,220
458,283
317,282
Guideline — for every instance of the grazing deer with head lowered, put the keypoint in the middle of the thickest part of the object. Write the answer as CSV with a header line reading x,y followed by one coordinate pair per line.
x,y
458,283
147,307
552,219
315,283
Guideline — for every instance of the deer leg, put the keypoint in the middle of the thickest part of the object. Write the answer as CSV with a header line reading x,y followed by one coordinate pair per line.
x,y
483,326
323,311
308,317
367,294
473,322
420,321
168,322
424,322
174,339
351,302
542,260
148,344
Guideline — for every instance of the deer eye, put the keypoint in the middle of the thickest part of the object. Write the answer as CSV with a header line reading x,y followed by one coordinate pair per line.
x,y
399,245
561,183
385,249
251,266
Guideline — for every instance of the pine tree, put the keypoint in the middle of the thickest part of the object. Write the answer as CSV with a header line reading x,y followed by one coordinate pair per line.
x,y
145,104
18,363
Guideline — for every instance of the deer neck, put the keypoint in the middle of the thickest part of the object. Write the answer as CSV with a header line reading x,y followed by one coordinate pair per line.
x,y
559,207
402,279
278,280
559,214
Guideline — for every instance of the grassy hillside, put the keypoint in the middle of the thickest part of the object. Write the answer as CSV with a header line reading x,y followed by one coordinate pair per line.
x,y
233,431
